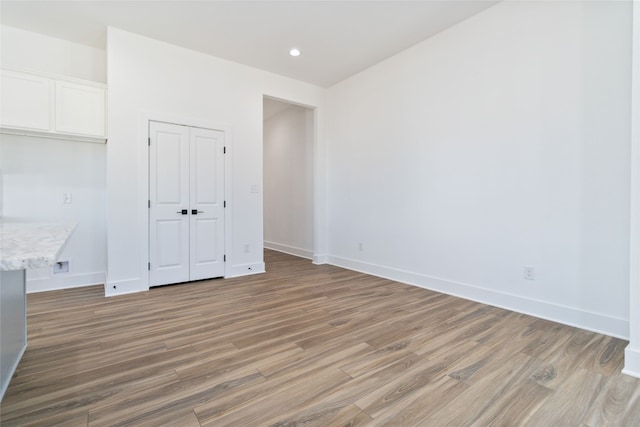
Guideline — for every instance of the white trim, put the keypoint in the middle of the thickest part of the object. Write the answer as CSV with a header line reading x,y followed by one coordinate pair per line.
x,y
8,130
320,259
56,76
320,211
239,270
65,281
127,286
291,250
596,322
631,362
632,358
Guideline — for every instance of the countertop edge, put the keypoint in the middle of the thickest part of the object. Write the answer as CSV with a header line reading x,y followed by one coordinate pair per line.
x,y
26,245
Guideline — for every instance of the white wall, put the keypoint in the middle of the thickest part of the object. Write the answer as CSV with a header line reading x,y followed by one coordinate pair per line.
x,y
288,181
36,172
632,352
38,52
499,143
149,76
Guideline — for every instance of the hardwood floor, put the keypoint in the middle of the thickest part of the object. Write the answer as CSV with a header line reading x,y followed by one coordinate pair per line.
x,y
309,345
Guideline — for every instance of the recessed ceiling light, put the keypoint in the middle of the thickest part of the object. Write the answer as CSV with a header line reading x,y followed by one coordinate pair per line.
x,y
294,52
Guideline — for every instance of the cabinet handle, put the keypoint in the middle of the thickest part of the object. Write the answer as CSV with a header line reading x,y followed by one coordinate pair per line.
x,y
183,212
196,211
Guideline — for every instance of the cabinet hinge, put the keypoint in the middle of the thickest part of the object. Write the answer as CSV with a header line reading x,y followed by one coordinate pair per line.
x,y
149,266
149,140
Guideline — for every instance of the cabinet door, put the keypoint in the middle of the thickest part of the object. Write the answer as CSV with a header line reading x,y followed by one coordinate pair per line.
x,y
80,109
26,101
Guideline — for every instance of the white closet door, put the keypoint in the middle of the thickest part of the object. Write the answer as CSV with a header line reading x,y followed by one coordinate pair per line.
x,y
207,203
169,203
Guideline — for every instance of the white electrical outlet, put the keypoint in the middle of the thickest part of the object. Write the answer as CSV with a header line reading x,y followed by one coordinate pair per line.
x,y
61,267
529,272
360,247
66,198
247,248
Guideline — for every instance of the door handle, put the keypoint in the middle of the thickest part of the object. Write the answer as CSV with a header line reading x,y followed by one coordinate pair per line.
x,y
196,211
183,212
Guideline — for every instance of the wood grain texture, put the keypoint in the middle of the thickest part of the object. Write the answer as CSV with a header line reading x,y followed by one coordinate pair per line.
x,y
305,345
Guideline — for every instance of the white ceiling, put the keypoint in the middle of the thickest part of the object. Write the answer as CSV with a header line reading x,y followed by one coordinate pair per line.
x,y
337,38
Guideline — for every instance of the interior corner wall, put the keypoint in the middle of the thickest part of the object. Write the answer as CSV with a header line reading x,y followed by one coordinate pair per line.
x,y
500,143
632,352
288,181
149,76
36,172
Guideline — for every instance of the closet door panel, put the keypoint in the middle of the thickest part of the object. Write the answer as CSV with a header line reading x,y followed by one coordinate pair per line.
x,y
207,202
168,204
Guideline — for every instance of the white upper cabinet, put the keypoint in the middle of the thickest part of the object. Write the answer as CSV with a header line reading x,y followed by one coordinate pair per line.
x,y
26,101
51,106
80,109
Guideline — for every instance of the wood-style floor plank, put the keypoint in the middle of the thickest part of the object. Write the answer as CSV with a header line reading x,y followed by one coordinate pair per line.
x,y
307,345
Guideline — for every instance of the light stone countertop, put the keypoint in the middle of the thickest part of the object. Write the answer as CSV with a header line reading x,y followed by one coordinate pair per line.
x,y
25,244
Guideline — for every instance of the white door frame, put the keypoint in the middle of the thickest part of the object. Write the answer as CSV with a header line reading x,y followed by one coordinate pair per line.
x,y
143,183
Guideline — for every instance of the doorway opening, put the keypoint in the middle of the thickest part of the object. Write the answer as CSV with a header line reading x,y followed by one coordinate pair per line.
x,y
288,177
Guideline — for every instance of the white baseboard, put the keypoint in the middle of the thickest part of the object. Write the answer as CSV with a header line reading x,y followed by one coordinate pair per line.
x,y
320,259
595,322
65,281
631,362
245,269
123,287
129,286
299,252
291,250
